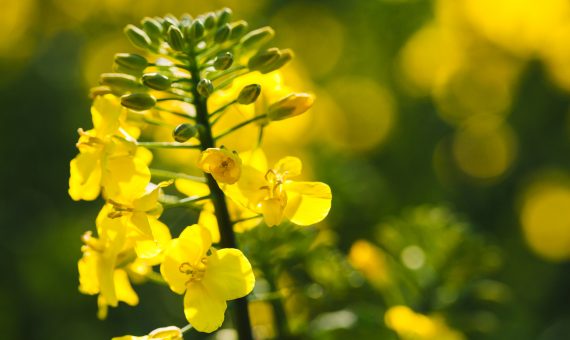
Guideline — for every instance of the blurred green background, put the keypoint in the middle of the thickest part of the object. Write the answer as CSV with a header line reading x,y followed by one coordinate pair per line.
x,y
442,127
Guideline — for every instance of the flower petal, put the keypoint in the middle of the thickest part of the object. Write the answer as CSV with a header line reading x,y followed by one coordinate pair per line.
x,y
289,167
229,274
203,309
307,202
85,176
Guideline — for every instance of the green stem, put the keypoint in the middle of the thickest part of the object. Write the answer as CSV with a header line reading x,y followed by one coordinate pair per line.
x,y
226,72
188,201
167,145
227,237
186,328
176,175
181,99
246,219
240,125
179,114
280,317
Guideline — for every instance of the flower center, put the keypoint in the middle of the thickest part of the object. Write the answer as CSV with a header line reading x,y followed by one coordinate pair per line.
x,y
194,272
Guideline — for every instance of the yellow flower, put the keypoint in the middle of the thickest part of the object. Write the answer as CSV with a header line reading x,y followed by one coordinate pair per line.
x,y
410,325
139,209
273,194
100,268
108,157
206,276
164,333
223,165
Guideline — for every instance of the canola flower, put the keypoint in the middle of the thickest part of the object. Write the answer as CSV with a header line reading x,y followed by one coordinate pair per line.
x,y
196,78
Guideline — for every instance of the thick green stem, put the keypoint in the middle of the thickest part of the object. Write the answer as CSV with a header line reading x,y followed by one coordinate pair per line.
x,y
227,237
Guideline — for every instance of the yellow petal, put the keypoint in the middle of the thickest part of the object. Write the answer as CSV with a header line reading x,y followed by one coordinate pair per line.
x,y
192,188
255,159
125,178
166,333
174,256
272,211
189,248
151,249
229,274
307,202
105,115
289,167
144,155
149,200
209,221
88,281
124,289
85,176
222,164
203,309
140,221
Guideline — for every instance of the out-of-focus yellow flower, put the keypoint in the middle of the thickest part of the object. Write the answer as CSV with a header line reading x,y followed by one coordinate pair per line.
x,y
208,277
164,333
545,218
100,268
273,194
410,325
108,157
222,164
370,261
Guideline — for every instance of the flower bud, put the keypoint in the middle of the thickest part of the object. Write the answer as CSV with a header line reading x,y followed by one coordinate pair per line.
x,y
257,37
156,81
205,87
138,101
185,20
99,91
170,20
152,28
238,29
222,34
137,37
196,29
284,57
223,61
131,61
209,20
184,132
249,94
290,106
263,59
120,81
175,38
222,164
224,16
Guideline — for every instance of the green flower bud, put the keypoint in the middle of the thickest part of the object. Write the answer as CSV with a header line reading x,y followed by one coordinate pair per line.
x,y
263,58
137,37
170,20
249,94
184,132
205,87
257,37
223,61
152,28
210,20
290,106
196,29
175,38
284,57
185,20
138,101
238,29
224,16
222,34
120,81
156,81
99,91
131,61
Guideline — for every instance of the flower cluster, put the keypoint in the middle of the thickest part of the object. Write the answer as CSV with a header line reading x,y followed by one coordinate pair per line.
x,y
198,83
